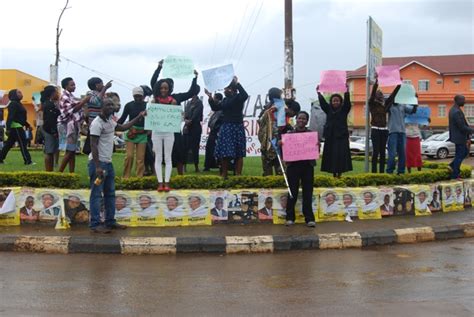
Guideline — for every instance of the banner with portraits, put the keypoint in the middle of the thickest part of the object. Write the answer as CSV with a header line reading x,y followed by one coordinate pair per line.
x,y
206,207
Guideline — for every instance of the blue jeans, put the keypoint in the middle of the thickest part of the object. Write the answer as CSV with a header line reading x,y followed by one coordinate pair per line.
x,y
459,156
396,146
105,192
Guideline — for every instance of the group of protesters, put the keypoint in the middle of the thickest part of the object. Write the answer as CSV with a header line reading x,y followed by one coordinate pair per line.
x,y
65,117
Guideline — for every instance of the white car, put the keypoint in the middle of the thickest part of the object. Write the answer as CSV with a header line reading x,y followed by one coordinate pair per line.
x,y
357,145
438,146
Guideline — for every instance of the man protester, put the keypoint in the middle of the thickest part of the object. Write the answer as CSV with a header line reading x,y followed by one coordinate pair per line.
x,y
101,170
459,134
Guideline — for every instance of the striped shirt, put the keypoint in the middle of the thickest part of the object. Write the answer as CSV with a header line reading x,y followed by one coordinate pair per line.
x,y
94,106
66,107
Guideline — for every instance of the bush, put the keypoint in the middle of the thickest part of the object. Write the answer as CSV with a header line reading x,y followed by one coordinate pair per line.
x,y
432,173
39,179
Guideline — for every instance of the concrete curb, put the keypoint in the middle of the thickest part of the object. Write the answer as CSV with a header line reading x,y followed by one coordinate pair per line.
x,y
231,244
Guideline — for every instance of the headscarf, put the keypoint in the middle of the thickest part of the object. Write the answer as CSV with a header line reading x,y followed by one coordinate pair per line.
x,y
274,93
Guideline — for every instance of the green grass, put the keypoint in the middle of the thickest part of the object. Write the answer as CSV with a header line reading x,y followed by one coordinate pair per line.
x,y
252,165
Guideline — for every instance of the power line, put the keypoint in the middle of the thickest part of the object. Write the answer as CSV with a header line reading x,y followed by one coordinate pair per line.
x,y
250,34
118,81
263,77
240,28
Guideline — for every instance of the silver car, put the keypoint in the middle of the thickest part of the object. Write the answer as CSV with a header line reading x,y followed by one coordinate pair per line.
x,y
438,146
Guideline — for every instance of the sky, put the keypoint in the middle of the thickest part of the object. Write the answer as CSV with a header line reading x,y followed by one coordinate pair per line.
x,y
124,40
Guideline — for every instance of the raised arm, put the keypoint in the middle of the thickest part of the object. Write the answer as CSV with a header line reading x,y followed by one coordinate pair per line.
x,y
156,74
391,99
242,96
374,91
347,102
193,90
322,101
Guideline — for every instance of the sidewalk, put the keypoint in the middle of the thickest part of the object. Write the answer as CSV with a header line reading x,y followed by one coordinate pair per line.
x,y
235,238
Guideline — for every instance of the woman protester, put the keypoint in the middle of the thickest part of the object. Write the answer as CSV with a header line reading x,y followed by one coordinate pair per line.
x,y
136,137
231,143
16,122
214,124
192,131
178,155
300,171
336,151
49,99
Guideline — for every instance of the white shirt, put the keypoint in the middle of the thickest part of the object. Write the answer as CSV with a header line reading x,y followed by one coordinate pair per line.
x,y
423,205
148,212
124,212
105,130
460,199
331,209
173,213
369,207
201,211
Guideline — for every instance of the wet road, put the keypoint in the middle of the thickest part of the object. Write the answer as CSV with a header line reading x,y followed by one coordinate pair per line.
x,y
430,279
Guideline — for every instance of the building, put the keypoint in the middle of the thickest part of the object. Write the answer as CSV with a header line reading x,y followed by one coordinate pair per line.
x,y
28,84
437,79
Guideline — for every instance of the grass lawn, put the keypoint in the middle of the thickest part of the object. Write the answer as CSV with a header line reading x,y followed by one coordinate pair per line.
x,y
252,165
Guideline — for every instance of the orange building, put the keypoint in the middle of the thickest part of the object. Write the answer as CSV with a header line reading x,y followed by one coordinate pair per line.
x,y
437,79
28,84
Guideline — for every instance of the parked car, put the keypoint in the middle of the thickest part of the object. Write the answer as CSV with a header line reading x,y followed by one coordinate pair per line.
x,y
357,144
438,146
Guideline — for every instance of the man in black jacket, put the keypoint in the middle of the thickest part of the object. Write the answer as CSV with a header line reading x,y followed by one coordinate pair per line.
x,y
459,134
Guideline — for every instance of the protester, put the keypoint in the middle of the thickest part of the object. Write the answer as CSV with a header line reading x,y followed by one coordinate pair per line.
x,y
178,153
193,115
94,105
136,138
101,169
231,143
69,123
379,131
460,134
38,105
214,125
413,147
16,122
396,135
300,171
336,153
50,97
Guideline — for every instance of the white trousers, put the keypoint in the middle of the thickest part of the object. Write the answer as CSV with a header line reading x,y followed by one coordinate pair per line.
x,y
163,140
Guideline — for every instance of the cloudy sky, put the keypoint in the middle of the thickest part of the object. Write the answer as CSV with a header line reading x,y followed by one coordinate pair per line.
x,y
123,40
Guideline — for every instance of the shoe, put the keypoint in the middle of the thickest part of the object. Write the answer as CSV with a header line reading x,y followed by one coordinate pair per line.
x,y
348,219
117,226
289,223
2,162
459,178
160,188
30,163
166,188
311,224
100,229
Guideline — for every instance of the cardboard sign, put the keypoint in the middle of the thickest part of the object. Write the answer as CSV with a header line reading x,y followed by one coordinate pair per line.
x,y
300,146
219,77
406,95
333,81
163,118
420,117
388,75
178,67
280,113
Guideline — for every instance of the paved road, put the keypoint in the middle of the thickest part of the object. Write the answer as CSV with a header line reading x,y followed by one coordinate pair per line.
x,y
430,279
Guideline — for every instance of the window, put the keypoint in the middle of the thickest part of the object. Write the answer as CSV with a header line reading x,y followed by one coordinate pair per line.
x,y
469,110
457,80
441,111
472,83
423,85
439,81
407,81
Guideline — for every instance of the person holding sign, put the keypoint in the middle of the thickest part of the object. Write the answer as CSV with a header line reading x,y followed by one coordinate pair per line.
x,y
300,171
378,121
413,147
101,170
396,131
336,153
178,153
231,143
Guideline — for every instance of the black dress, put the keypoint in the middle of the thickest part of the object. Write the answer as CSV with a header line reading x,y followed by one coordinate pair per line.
x,y
336,152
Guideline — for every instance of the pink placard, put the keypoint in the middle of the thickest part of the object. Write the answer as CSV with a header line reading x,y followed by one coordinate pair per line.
x,y
333,81
300,146
388,75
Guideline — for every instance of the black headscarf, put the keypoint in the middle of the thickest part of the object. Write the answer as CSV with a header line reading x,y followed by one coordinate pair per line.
x,y
13,96
274,93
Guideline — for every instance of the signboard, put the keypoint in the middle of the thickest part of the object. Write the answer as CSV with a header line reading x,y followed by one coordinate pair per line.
x,y
219,77
178,67
163,118
300,146
374,48
421,116
333,81
406,95
388,75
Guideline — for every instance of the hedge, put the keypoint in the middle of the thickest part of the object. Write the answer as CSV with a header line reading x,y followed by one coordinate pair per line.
x,y
433,172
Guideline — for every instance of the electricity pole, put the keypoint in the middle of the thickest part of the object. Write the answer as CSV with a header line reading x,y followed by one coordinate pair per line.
x,y
289,92
53,69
